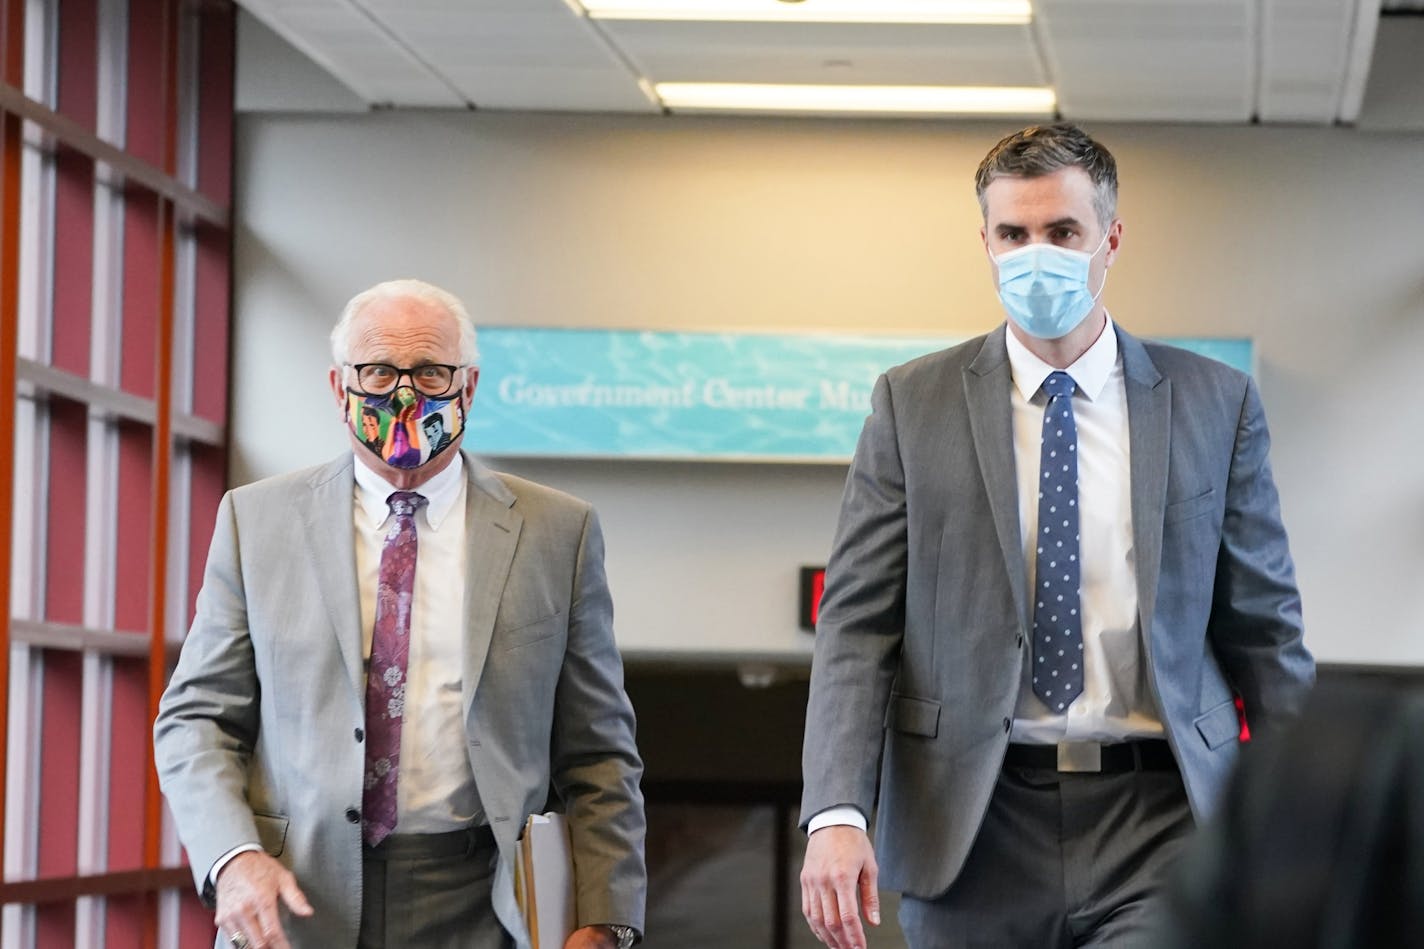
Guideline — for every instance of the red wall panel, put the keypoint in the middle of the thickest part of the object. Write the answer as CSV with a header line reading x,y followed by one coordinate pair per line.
x,y
215,100
128,737
78,52
135,527
73,261
129,733
195,929
139,358
65,513
208,482
59,789
129,726
147,65
210,323
124,921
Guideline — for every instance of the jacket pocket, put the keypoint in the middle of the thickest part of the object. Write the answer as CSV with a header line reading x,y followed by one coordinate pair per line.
x,y
525,632
912,716
271,833
1219,725
1188,508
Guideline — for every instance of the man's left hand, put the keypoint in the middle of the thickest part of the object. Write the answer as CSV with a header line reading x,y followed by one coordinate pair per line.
x,y
592,937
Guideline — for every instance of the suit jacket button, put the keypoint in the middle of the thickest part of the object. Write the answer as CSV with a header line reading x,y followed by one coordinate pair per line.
x,y
360,735
1020,645
1007,724
353,816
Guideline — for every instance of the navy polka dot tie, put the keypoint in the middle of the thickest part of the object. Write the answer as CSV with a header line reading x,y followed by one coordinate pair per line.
x,y
1057,623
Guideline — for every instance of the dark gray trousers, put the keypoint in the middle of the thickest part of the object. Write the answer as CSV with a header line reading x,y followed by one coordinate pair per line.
x,y
430,891
1062,860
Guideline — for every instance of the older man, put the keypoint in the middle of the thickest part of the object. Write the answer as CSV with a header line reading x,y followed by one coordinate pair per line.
x,y
392,662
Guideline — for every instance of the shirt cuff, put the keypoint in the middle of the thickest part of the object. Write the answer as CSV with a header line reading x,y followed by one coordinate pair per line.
x,y
838,816
222,861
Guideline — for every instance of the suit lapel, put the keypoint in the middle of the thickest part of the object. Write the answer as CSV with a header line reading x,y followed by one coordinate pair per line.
x,y
986,390
1149,419
330,537
492,529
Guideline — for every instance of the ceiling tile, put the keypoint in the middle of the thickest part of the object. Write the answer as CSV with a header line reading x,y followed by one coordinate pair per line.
x,y
356,50
1127,60
1304,52
536,56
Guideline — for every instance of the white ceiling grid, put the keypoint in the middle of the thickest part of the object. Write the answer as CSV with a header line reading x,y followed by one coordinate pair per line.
x,y
1230,61
516,54
1303,66
355,48
1130,60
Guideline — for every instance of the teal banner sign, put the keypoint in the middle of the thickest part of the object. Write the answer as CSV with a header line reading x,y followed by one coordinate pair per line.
x,y
690,396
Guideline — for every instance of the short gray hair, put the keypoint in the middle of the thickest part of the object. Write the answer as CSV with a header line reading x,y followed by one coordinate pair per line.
x,y
1043,149
405,289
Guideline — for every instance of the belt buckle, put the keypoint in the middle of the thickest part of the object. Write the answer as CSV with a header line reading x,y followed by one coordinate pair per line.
x,y
1080,756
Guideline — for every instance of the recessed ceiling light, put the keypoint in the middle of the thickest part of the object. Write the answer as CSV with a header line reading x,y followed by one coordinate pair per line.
x,y
922,100
999,12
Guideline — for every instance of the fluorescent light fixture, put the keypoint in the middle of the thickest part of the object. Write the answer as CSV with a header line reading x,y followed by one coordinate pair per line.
x,y
927,100
996,12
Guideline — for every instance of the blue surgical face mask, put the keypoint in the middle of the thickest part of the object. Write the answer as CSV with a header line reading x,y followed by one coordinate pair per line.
x,y
1044,288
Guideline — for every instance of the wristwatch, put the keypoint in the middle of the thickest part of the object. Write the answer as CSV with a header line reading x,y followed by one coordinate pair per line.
x,y
624,934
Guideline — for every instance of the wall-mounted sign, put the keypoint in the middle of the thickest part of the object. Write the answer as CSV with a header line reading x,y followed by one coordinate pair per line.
x,y
712,396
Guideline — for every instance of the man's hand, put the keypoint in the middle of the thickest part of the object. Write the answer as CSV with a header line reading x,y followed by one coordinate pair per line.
x,y
839,874
248,888
592,937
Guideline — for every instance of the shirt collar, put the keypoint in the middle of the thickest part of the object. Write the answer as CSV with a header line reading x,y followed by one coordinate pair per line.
x,y
440,492
1090,372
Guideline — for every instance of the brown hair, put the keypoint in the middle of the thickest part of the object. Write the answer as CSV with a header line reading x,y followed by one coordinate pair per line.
x,y
1044,149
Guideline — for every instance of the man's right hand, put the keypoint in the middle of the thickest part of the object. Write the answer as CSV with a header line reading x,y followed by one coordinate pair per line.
x,y
248,888
838,876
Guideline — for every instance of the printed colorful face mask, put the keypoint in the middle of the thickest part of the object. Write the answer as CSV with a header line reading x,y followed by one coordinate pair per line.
x,y
1044,288
404,428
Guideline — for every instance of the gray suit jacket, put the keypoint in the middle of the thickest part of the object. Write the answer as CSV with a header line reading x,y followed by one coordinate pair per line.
x,y
255,737
919,648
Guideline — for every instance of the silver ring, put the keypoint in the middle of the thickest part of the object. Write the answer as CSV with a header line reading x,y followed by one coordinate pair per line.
x,y
238,940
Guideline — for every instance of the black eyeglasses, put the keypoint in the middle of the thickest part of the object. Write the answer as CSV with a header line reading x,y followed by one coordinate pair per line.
x,y
379,378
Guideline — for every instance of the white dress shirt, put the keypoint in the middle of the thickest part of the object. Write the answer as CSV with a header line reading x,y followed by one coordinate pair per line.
x,y
1116,703
436,790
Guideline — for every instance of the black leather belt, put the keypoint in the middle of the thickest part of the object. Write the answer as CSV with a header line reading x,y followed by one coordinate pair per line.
x,y
1147,755
455,843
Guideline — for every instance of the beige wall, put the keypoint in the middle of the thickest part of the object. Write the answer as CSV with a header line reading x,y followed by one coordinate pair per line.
x,y
1306,240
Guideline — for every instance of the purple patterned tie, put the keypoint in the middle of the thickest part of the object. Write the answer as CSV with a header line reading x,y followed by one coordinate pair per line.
x,y
385,674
